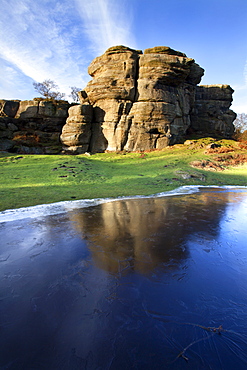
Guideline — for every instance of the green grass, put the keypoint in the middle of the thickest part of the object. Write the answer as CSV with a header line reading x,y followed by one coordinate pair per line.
x,y
27,180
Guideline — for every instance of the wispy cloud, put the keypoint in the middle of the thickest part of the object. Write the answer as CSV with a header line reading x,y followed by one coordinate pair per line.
x,y
106,23
56,40
39,39
13,83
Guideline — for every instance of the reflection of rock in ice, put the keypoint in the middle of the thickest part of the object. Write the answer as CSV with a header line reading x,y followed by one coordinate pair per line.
x,y
146,233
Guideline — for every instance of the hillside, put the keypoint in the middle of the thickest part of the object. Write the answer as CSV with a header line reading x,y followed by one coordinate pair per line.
x,y
28,180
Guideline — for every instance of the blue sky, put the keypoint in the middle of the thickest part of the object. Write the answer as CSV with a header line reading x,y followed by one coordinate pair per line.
x,y
52,39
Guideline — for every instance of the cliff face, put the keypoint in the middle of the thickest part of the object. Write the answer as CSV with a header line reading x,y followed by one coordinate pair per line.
x,y
211,114
135,101
32,126
145,101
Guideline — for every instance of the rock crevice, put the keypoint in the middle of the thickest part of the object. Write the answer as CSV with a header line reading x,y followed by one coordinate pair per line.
x,y
32,126
144,101
135,101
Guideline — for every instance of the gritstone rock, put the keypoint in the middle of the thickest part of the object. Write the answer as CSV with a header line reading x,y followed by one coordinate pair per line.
x,y
135,101
143,101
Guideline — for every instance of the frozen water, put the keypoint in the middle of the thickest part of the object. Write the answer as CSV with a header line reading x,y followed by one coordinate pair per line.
x,y
146,283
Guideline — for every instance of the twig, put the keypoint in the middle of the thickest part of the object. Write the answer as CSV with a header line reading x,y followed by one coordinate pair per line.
x,y
181,354
218,330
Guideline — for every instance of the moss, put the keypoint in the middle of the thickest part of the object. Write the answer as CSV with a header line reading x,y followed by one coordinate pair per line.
x,y
163,50
121,49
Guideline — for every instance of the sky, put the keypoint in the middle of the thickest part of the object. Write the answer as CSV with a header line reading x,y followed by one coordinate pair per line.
x,y
57,39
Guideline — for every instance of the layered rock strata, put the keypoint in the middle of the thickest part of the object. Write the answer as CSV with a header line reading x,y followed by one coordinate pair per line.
x,y
145,101
211,114
135,101
32,126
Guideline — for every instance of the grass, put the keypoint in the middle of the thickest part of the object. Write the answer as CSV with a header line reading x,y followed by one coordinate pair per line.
x,y
27,180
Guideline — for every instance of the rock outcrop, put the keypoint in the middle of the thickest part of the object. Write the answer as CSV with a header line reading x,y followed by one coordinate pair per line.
x,y
145,101
135,101
32,126
211,114
77,130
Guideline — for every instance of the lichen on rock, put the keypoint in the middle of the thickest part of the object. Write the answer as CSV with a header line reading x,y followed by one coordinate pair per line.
x,y
32,126
149,100
135,101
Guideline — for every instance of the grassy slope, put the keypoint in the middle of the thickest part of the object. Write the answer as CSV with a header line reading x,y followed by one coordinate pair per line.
x,y
36,179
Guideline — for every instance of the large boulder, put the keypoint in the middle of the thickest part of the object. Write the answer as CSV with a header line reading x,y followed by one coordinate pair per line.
x,y
9,108
32,126
164,99
163,68
135,101
27,109
211,114
114,75
140,101
42,108
76,133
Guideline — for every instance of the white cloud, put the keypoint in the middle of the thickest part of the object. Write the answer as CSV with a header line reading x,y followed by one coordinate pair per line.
x,y
106,23
13,83
40,41
52,39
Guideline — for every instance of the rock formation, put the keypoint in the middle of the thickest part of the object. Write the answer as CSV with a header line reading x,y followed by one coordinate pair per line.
x,y
135,101
32,126
145,101
211,114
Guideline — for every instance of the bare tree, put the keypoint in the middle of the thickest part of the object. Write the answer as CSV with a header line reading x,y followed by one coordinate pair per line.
x,y
46,87
240,122
74,93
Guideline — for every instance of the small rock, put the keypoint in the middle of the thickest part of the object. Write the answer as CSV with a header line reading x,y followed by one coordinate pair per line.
x,y
188,142
213,146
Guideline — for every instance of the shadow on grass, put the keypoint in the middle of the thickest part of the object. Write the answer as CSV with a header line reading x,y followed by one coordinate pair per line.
x,y
121,185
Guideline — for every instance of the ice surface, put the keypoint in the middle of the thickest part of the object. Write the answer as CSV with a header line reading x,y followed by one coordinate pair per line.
x,y
144,283
62,207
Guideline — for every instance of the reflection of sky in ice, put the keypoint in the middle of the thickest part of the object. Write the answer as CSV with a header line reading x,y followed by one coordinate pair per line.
x,y
235,218
127,285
